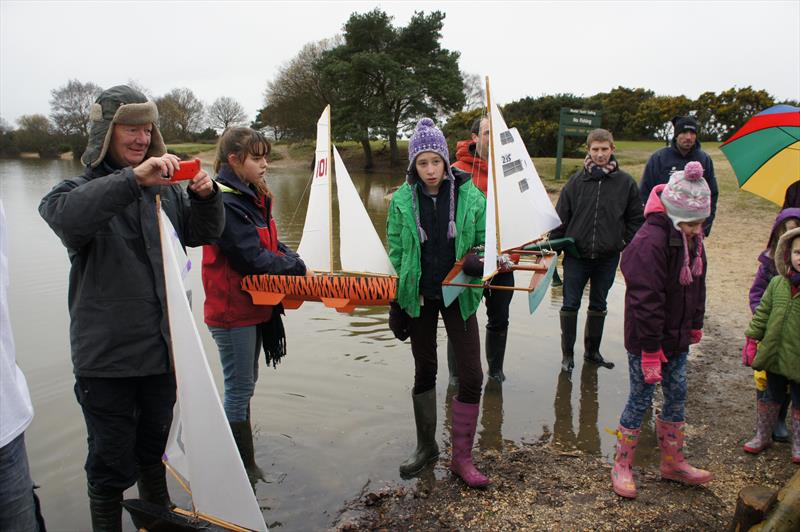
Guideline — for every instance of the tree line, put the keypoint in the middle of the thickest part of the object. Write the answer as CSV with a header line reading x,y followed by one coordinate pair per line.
x,y
182,118
379,80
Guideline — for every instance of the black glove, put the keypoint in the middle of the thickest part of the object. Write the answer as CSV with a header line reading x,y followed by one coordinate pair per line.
x,y
472,265
399,321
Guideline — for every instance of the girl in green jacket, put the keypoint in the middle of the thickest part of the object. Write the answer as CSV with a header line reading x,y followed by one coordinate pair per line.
x,y
773,344
435,218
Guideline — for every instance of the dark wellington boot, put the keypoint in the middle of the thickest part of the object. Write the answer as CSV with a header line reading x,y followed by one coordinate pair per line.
x,y
243,436
452,368
495,353
105,508
152,485
779,432
593,335
427,449
569,326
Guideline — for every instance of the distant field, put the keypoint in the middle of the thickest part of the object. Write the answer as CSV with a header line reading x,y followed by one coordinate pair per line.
x,y
190,148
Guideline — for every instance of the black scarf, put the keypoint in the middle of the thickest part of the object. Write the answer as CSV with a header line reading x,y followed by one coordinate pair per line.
x,y
273,337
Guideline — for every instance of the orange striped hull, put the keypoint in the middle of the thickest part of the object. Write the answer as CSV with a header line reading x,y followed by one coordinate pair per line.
x,y
342,292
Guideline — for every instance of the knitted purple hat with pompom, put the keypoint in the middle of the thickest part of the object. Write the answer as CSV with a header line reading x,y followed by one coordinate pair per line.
x,y
428,137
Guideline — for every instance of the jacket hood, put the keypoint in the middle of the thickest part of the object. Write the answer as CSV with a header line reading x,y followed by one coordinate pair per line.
x,y
229,177
654,204
792,212
782,259
465,151
120,105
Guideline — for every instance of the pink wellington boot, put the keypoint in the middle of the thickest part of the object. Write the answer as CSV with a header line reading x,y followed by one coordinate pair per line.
x,y
465,419
622,475
796,435
766,414
673,464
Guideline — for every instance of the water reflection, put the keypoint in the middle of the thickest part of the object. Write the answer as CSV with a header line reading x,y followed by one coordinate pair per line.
x,y
588,437
491,434
336,413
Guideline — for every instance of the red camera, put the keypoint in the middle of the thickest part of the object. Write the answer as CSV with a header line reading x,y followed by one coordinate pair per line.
x,y
187,170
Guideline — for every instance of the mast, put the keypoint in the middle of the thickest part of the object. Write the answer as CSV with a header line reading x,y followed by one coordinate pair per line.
x,y
494,166
330,187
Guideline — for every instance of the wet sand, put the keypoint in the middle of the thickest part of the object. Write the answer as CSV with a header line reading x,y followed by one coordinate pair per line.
x,y
542,485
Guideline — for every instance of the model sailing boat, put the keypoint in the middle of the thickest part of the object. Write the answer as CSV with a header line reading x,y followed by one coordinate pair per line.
x,y
201,452
367,277
518,212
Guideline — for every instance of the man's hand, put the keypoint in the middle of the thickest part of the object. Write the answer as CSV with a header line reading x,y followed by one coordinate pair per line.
x,y
155,170
202,185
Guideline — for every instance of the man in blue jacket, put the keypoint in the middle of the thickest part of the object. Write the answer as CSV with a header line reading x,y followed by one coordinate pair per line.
x,y
683,149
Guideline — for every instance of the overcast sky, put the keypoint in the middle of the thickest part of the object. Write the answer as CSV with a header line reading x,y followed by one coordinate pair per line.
x,y
527,48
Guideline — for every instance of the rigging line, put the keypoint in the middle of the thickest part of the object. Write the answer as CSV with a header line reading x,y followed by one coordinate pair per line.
x,y
303,195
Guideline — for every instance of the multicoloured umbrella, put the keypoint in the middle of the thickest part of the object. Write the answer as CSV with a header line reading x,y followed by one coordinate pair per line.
x,y
765,152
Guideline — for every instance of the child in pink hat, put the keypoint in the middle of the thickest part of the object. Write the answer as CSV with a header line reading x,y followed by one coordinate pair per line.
x,y
664,268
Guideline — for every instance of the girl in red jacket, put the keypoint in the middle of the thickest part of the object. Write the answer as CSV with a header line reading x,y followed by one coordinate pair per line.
x,y
249,245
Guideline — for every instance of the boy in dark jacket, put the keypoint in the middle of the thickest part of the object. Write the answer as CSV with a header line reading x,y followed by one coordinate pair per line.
x,y
600,208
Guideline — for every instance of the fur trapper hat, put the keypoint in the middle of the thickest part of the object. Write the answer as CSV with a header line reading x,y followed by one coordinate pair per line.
x,y
782,259
120,105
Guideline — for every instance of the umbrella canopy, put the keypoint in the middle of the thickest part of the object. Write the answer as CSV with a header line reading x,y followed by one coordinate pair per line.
x,y
765,152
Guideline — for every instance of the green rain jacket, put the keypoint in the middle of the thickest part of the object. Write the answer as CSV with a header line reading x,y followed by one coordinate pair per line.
x,y
776,322
405,249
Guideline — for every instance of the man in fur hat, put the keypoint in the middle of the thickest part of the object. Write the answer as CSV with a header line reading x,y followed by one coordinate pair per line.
x,y
119,334
683,149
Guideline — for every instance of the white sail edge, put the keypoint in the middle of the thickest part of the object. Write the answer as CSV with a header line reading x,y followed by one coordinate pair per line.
x,y
526,211
210,458
490,243
361,249
315,244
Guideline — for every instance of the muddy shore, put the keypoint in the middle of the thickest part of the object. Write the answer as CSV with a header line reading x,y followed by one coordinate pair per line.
x,y
541,486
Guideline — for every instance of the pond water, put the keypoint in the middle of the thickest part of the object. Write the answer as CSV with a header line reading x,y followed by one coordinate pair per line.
x,y
336,416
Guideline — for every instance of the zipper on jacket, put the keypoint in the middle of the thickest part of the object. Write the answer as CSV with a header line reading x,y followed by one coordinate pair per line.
x,y
594,225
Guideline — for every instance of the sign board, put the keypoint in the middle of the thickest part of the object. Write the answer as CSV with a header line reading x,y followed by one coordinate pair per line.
x,y
574,123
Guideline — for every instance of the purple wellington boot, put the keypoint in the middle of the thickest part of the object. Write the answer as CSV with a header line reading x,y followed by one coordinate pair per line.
x,y
465,419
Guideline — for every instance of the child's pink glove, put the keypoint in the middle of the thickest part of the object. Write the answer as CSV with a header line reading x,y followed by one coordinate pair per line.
x,y
651,366
749,351
695,335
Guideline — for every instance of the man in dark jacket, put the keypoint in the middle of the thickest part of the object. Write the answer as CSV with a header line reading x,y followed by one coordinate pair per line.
x,y
600,208
684,148
119,333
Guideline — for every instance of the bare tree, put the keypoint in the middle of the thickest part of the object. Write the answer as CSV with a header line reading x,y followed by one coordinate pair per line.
x,y
473,91
180,114
226,112
295,98
70,106
37,134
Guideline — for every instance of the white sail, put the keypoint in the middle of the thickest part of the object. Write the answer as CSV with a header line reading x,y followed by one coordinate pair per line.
x,y
526,212
490,243
315,244
200,445
361,249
